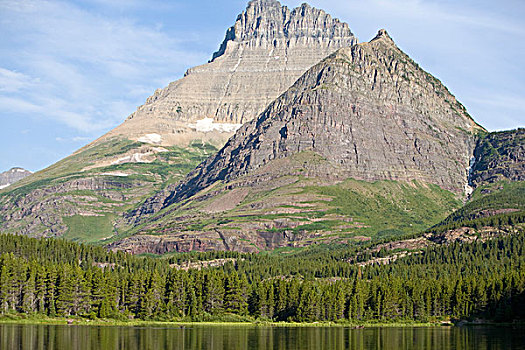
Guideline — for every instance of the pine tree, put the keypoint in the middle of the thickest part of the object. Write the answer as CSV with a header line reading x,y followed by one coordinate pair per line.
x,y
235,298
213,294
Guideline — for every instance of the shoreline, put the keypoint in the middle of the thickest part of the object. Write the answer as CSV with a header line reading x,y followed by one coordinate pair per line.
x,y
73,321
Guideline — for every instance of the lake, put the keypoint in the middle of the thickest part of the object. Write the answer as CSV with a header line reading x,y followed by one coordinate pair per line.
x,y
13,336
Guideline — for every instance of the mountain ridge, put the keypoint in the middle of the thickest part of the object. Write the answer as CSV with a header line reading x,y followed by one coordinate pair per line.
x,y
365,145
366,124
12,175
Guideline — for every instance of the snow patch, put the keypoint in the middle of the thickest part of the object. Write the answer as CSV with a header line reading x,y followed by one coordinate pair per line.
x,y
150,138
468,190
4,186
18,170
134,158
159,149
115,173
207,125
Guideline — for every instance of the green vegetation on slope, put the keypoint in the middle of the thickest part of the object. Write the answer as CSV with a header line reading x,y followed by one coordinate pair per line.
x,y
389,208
294,212
70,167
496,204
89,229
81,197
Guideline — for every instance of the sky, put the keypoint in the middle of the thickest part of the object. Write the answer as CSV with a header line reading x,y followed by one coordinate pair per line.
x,y
72,70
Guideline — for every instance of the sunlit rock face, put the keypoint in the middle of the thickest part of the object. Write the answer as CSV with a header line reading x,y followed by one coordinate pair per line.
x,y
263,53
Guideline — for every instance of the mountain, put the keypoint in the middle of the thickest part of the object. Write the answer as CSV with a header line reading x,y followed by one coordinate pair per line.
x,y
12,175
83,197
495,208
499,156
262,55
365,143
369,110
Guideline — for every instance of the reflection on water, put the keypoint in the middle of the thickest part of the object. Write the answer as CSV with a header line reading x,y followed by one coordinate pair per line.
x,y
260,338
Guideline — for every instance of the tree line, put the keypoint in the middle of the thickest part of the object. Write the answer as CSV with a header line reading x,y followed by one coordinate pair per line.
x,y
58,278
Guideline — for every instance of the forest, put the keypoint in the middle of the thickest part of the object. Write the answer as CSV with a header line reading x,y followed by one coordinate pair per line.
x,y
459,281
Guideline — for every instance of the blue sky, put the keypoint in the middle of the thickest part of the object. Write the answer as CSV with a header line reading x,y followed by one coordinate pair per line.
x,y
72,70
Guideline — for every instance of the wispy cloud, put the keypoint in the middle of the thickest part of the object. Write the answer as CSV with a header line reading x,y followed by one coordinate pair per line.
x,y
80,68
12,81
430,12
73,139
510,101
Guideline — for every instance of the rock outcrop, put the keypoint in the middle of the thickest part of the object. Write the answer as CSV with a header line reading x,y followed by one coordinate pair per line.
x,y
262,55
12,175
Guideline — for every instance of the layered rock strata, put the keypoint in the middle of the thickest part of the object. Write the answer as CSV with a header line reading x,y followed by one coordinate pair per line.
x,y
262,55
499,156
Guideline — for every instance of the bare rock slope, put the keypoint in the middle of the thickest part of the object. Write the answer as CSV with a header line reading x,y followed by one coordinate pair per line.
x,y
12,175
84,196
499,156
262,55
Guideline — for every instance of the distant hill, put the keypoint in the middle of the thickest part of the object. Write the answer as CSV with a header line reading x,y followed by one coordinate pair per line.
x,y
12,175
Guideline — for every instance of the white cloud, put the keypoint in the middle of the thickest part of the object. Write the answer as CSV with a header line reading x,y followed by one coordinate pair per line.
x,y
85,70
18,105
74,139
12,81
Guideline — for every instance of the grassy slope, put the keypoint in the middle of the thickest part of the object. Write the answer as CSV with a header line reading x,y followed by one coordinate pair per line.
x,y
122,194
316,212
493,204
389,208
89,229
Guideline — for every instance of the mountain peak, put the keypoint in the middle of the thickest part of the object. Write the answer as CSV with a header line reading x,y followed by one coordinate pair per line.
x,y
382,34
392,118
263,53
12,175
257,7
264,3
263,21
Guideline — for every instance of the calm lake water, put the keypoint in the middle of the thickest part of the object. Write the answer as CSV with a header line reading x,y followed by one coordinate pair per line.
x,y
260,338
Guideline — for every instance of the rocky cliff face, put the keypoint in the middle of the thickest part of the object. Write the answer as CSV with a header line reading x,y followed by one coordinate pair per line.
x,y
499,156
263,53
364,144
369,110
12,175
